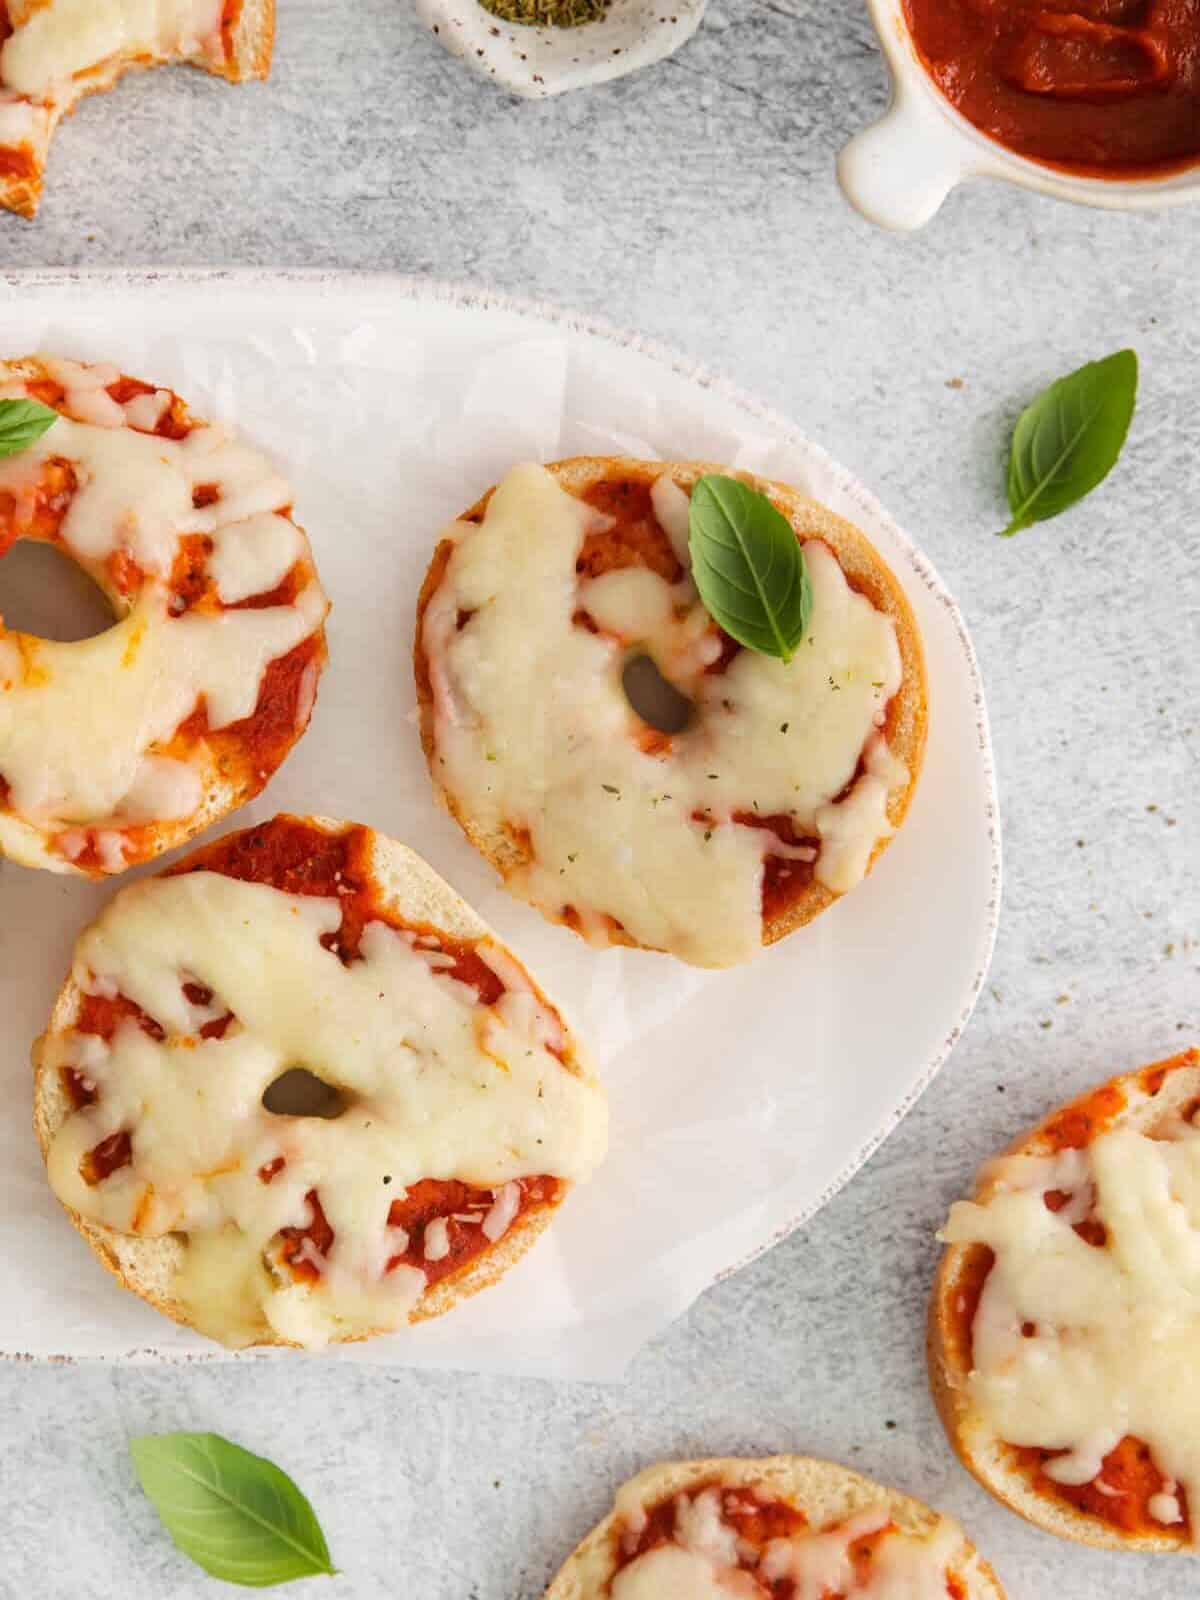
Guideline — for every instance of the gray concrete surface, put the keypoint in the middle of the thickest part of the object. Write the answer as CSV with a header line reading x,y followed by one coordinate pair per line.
x,y
696,202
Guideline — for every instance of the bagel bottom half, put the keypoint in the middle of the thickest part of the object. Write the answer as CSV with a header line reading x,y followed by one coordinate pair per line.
x,y
455,1108
1113,1510
826,1496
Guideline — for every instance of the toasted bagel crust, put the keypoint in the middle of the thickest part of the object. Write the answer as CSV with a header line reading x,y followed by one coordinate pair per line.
x,y
825,1492
863,566
1152,1096
146,1266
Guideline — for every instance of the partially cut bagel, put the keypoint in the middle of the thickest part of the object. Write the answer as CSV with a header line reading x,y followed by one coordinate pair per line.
x,y
54,53
453,1111
1099,1220
724,1527
776,797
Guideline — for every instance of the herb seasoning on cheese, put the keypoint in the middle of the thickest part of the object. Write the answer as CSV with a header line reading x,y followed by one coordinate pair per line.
x,y
781,778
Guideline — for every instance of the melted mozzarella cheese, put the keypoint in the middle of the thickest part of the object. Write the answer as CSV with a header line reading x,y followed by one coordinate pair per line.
x,y
702,1561
436,1086
533,729
78,720
54,41
1116,1329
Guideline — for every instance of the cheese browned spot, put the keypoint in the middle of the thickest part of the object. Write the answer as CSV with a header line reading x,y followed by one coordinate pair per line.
x,y
737,1543
464,1107
1078,1313
114,748
782,779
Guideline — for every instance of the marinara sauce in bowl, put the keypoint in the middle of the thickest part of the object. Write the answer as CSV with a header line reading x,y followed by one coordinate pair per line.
x,y
1096,101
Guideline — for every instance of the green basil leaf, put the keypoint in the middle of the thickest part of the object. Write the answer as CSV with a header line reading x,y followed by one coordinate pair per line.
x,y
1069,439
22,423
748,566
235,1514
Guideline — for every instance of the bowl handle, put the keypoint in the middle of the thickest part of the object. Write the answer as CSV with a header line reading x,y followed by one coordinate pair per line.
x,y
898,172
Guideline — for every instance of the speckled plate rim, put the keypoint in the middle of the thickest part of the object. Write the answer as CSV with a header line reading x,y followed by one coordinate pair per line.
x,y
474,298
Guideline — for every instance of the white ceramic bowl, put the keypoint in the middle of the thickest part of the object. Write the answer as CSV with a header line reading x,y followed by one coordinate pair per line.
x,y
536,62
898,172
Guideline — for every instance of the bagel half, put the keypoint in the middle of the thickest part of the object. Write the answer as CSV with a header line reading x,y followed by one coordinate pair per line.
x,y
240,50
826,1495
118,748
374,880
610,484
1111,1511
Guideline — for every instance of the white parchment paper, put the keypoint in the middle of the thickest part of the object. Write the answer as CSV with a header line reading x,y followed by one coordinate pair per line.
x,y
740,1100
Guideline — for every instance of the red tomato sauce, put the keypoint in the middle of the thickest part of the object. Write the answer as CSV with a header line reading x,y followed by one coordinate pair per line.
x,y
1106,88
1129,1475
755,1518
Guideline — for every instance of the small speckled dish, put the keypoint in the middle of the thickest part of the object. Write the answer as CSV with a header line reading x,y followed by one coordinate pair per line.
x,y
536,62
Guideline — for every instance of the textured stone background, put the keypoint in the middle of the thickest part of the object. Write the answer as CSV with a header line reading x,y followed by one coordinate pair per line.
x,y
696,203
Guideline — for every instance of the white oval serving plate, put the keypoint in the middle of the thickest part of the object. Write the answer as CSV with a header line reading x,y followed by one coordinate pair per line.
x,y
742,1100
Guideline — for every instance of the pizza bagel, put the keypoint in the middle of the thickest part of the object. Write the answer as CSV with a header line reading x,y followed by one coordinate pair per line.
x,y
295,1091
765,792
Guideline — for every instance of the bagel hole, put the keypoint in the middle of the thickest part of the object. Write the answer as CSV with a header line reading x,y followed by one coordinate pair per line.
x,y
44,592
300,1093
656,700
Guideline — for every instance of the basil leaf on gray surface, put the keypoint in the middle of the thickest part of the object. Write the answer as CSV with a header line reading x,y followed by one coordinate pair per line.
x,y
235,1514
22,423
1069,439
748,566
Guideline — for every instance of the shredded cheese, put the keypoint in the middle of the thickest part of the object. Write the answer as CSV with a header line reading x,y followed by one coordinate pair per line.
x,y
533,730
